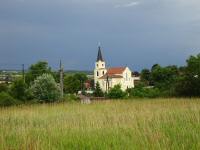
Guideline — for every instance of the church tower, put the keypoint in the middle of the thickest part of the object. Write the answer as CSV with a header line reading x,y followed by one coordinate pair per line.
x,y
100,66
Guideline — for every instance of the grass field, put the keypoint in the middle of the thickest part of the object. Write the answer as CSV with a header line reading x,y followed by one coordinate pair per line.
x,y
123,125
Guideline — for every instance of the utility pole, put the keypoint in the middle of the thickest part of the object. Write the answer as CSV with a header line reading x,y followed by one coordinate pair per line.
x,y
107,83
23,73
61,80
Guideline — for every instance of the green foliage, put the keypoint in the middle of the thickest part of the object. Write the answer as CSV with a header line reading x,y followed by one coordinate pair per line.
x,y
143,92
70,98
98,91
74,83
7,100
45,88
3,87
116,92
188,84
71,84
19,90
164,77
145,75
36,70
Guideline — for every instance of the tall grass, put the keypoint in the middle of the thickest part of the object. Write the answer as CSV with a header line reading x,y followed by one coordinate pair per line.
x,y
123,125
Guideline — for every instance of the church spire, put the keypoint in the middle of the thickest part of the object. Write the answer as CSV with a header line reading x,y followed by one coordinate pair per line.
x,y
99,56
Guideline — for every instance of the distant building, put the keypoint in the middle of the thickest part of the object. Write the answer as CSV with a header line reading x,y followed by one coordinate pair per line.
x,y
109,77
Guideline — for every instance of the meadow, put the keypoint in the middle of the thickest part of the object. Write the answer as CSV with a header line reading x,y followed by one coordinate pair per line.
x,y
119,124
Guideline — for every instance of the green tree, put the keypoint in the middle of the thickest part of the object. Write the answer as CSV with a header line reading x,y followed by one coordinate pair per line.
x,y
146,76
82,78
155,66
116,92
45,88
98,92
188,83
71,84
164,77
74,83
36,70
18,89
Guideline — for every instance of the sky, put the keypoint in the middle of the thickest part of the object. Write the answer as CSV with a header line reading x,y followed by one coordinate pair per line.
x,y
134,33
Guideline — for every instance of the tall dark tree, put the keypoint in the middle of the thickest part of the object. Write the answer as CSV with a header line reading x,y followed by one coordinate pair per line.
x,y
36,70
74,83
189,83
71,84
98,92
146,75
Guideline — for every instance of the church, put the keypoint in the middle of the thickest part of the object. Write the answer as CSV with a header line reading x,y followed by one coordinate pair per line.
x,y
109,77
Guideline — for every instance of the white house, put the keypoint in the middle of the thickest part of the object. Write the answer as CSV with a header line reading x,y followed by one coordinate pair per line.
x,y
109,77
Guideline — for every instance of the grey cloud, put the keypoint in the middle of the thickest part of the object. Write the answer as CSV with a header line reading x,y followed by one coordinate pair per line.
x,y
154,32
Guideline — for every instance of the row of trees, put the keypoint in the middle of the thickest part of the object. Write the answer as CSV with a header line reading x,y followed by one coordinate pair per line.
x,y
42,84
171,80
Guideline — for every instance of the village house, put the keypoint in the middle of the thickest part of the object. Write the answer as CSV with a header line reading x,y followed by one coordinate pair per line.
x,y
109,77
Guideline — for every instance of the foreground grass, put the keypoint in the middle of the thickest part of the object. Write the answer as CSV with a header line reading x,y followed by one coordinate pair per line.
x,y
136,124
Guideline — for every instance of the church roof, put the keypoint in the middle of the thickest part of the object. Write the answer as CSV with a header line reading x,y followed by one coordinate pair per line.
x,y
99,56
116,70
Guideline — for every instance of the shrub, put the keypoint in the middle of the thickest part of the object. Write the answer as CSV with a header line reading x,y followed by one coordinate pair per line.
x,y
116,92
142,92
3,87
7,100
45,88
19,90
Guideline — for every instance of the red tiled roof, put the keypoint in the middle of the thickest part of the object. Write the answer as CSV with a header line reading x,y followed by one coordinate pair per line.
x,y
114,73
116,70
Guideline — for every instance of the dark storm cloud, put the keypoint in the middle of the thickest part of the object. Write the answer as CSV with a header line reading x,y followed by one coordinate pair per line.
x,y
137,33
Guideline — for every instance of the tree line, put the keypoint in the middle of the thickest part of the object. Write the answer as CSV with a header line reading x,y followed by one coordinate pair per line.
x,y
41,84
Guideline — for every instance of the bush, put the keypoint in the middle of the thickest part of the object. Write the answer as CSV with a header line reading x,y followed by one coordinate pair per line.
x,y
144,92
7,100
116,93
45,88
19,90
3,87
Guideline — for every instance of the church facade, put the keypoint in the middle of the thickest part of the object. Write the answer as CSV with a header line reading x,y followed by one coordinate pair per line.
x,y
109,77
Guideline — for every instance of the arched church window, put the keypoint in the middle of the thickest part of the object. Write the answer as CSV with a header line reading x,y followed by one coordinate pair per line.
x,y
103,72
97,73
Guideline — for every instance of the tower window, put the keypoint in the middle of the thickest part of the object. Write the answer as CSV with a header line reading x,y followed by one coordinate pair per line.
x,y
97,73
103,72
97,65
102,65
